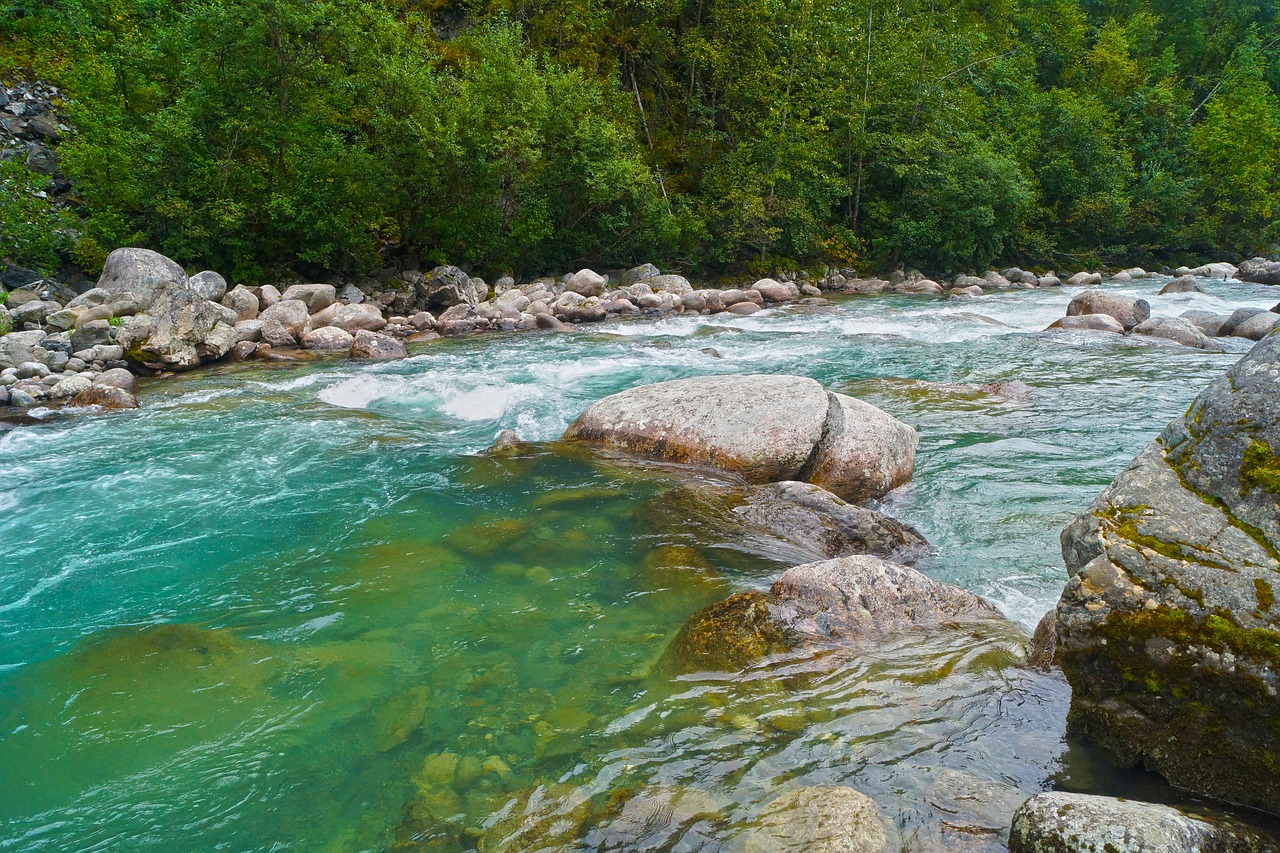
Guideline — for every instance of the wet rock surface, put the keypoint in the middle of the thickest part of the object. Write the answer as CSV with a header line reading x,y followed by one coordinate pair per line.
x,y
737,423
1167,629
1080,823
850,600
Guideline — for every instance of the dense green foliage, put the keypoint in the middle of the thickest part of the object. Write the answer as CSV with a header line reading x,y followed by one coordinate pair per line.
x,y
256,135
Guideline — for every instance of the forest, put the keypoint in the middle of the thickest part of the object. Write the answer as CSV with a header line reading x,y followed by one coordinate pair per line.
x,y
269,137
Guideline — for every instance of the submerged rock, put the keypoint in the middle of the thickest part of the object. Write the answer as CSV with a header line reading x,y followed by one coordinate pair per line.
x,y
847,600
1168,629
1075,823
819,819
792,521
764,428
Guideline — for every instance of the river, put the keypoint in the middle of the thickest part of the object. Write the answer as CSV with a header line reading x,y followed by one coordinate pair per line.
x,y
297,607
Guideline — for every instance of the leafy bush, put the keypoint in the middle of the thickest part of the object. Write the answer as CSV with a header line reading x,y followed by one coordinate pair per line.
x,y
33,231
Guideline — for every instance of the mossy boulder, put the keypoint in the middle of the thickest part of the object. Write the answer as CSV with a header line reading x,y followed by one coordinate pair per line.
x,y
1167,629
1059,822
850,600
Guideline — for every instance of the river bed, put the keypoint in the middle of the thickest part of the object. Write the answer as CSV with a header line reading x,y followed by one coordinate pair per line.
x,y
299,608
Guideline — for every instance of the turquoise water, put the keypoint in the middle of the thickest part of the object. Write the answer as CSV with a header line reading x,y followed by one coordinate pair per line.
x,y
298,608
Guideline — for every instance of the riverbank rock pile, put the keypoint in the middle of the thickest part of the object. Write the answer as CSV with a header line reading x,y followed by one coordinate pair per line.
x,y
1168,629
965,286
30,129
1097,311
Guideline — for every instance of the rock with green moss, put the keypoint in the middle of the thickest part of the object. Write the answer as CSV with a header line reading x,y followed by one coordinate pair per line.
x,y
1079,823
1167,629
850,600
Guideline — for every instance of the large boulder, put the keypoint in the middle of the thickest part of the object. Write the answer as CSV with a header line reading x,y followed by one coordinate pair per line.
x,y
1213,270
242,300
1182,284
208,285
1088,323
146,274
764,428
1174,329
1209,323
586,283
1168,628
447,286
792,522
670,283
292,314
316,297
376,346
1129,311
849,600
178,332
353,318
1257,327
1259,271
1058,822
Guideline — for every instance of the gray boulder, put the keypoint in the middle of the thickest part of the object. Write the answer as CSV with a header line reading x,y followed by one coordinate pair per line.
x,y
21,347
118,377
586,283
367,316
1168,629
146,274
1257,327
1048,281
179,331
1214,270
1182,284
1085,279
208,285
1059,822
376,346
1128,310
291,314
328,339
33,312
447,286
1174,329
644,272
316,297
242,300
1238,316
764,428
1089,323
91,334
1259,271
1209,323
670,283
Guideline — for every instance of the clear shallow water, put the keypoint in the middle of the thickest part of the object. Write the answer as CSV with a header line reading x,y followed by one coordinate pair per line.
x,y
294,609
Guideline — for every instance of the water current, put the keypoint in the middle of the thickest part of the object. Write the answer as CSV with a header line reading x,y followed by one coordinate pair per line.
x,y
298,607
